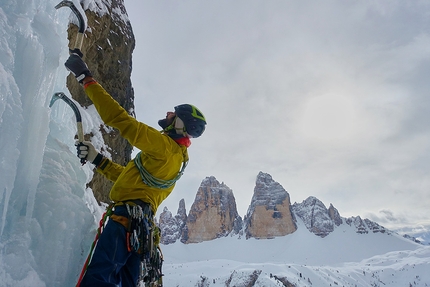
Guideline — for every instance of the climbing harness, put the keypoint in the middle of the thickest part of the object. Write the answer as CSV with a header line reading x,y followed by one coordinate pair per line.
x,y
143,237
153,181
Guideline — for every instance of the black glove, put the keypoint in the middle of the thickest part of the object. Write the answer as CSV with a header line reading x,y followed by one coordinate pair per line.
x,y
86,151
77,66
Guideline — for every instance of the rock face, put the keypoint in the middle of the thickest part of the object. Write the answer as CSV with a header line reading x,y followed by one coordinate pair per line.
x,y
107,47
366,226
334,215
213,213
315,216
269,214
322,221
172,227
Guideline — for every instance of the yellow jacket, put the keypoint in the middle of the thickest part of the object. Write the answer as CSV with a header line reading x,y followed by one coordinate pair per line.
x,y
161,156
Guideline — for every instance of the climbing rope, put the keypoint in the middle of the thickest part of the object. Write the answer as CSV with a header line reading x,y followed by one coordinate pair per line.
x,y
102,222
151,180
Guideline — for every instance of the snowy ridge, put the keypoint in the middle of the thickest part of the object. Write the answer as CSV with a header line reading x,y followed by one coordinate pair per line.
x,y
303,259
317,218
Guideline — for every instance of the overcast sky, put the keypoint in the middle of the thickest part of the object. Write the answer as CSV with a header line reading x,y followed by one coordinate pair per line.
x,y
331,98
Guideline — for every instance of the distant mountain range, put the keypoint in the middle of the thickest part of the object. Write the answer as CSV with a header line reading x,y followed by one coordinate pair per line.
x,y
214,215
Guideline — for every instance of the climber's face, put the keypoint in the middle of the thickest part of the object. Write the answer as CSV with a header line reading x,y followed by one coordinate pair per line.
x,y
170,117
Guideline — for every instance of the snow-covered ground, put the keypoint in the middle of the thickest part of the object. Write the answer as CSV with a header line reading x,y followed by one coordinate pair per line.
x,y
397,268
343,258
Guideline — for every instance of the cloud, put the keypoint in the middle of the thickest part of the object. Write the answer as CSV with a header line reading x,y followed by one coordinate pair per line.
x,y
330,98
389,216
402,222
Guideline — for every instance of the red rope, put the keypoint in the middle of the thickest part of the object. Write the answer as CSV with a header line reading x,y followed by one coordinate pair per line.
x,y
99,231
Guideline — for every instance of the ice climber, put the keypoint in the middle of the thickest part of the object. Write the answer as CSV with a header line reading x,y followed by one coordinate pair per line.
x,y
140,186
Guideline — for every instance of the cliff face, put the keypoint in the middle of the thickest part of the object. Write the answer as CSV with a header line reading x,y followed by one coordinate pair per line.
x,y
322,221
334,215
172,226
315,216
107,47
269,214
213,213
365,226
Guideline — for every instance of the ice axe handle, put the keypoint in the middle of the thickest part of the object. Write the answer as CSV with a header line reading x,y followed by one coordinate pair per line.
x,y
79,40
81,138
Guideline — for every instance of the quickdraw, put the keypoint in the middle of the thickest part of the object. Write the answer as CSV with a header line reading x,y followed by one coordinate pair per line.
x,y
137,228
143,237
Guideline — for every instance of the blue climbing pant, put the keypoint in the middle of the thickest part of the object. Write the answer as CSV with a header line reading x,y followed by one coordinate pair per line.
x,y
112,265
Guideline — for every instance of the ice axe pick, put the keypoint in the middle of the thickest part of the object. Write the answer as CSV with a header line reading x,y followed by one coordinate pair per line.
x,y
61,95
82,24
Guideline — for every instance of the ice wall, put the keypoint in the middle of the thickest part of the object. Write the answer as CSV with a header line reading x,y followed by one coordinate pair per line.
x,y
46,222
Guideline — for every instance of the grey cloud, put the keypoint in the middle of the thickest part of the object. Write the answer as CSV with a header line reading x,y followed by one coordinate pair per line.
x,y
256,69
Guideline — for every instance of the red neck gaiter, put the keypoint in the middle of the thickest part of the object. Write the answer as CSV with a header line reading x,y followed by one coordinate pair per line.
x,y
183,141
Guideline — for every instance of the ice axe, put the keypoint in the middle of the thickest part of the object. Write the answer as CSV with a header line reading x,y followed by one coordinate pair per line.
x,y
82,24
61,95
78,45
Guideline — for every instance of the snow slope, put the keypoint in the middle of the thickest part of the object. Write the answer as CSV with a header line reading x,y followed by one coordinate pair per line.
x,y
344,257
397,268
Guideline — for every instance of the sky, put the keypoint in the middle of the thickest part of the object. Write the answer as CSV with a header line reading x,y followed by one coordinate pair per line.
x,y
330,98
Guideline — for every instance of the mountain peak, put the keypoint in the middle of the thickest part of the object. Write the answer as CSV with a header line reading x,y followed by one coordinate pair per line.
x,y
269,214
267,192
315,216
213,213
